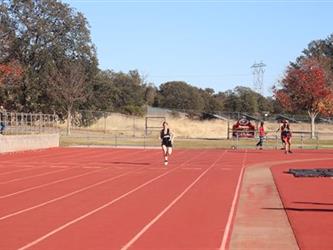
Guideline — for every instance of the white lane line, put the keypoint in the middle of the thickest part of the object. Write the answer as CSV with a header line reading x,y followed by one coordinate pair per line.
x,y
67,195
153,221
33,176
64,196
50,183
47,184
18,170
233,206
191,168
101,207
62,167
17,165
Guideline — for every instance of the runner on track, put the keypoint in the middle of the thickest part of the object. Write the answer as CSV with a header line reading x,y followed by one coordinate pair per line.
x,y
166,140
280,129
286,136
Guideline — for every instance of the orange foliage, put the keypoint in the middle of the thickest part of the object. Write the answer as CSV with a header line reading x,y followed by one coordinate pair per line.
x,y
10,70
305,88
325,106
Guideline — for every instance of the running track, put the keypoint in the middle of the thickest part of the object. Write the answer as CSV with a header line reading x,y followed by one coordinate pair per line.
x,y
92,198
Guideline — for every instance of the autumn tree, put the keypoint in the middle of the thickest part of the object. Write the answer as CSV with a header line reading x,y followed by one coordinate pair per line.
x,y
10,69
10,75
322,51
9,72
305,87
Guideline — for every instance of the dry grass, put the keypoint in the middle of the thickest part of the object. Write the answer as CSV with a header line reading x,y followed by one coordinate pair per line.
x,y
186,128
121,130
118,124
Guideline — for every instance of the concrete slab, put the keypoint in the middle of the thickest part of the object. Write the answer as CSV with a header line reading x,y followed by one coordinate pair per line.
x,y
256,226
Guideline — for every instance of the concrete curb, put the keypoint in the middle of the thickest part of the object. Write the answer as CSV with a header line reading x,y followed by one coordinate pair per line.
x,y
14,143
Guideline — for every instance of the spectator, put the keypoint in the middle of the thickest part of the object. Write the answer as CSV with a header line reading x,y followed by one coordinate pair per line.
x,y
2,120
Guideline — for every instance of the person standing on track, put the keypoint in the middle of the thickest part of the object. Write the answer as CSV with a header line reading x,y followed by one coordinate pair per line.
x,y
166,140
262,134
286,136
2,120
280,129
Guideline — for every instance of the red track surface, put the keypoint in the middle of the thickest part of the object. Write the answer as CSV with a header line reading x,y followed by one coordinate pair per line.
x,y
308,203
116,198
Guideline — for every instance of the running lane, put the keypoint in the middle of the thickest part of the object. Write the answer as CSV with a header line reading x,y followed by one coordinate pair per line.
x,y
26,226
308,203
200,218
26,182
191,204
26,200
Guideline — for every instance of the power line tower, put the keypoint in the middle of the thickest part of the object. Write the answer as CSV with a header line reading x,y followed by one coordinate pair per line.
x,y
258,76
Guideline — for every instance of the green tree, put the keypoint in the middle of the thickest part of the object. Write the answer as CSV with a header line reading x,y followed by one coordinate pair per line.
x,y
181,96
68,87
150,94
232,102
241,99
248,99
264,104
220,97
129,93
118,91
275,105
6,34
244,99
46,34
102,90
211,103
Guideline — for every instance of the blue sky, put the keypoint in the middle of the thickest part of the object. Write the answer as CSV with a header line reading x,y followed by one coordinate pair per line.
x,y
208,44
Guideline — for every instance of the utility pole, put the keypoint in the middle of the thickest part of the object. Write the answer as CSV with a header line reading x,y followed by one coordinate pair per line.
x,y
258,76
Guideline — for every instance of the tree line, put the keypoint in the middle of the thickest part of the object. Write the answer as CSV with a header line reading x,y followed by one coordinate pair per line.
x,y
48,64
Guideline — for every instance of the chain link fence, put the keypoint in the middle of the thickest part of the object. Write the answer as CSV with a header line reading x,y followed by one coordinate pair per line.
x,y
190,129
13,123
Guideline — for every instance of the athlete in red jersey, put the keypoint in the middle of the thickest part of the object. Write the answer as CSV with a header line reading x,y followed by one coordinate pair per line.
x,y
261,131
